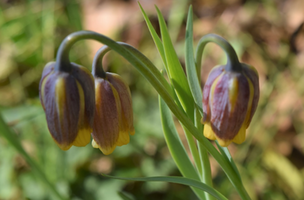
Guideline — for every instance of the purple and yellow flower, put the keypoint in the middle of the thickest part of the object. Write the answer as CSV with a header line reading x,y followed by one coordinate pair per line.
x,y
229,101
68,100
113,121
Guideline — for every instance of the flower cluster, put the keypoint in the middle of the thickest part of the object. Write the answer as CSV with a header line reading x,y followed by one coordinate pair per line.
x,y
75,110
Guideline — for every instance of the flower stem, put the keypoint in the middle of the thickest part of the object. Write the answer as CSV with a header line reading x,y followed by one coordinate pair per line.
x,y
233,63
97,68
205,163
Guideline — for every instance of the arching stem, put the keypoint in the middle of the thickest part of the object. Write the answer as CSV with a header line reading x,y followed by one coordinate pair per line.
x,y
97,68
233,63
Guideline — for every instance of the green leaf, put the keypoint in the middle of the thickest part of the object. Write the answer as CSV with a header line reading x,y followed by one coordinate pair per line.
x,y
192,76
176,72
125,196
6,132
226,154
155,37
176,17
179,180
176,147
159,46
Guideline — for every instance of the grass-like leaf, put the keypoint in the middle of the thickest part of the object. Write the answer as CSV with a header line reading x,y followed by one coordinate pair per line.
x,y
179,180
6,132
125,196
176,72
226,154
176,147
192,76
155,37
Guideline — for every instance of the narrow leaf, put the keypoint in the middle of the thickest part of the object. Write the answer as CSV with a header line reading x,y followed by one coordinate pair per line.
x,y
176,72
155,37
179,180
176,147
205,163
6,132
226,154
125,196
192,76
174,143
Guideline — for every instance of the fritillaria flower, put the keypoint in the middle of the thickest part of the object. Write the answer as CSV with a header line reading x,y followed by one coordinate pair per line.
x,y
68,100
230,99
113,121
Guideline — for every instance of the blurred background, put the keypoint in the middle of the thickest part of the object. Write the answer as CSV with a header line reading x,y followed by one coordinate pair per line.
x,y
267,34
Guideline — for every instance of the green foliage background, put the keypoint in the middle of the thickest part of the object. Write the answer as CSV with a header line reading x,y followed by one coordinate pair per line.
x,y
265,35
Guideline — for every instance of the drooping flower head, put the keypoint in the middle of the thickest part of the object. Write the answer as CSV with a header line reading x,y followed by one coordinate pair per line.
x,y
68,100
113,121
230,99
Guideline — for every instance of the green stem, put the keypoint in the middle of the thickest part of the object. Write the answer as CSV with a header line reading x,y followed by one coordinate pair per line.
x,y
154,78
9,136
193,150
195,87
233,63
97,68
176,147
205,163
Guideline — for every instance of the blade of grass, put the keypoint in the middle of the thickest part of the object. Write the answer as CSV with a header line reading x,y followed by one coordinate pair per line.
x,y
156,39
179,81
206,169
192,76
176,16
195,87
176,72
176,147
159,46
125,196
179,180
226,154
7,133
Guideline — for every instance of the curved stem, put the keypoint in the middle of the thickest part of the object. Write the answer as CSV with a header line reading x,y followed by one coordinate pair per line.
x,y
97,68
233,63
154,77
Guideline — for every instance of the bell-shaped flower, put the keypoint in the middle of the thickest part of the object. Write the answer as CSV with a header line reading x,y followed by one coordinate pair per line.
x,y
68,100
113,121
230,99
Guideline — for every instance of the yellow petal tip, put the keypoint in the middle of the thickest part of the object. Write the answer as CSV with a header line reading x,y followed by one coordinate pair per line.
x,y
241,136
83,137
208,132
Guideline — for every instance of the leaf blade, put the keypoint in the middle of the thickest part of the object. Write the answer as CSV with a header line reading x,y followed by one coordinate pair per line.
x,y
156,39
179,180
192,76
176,73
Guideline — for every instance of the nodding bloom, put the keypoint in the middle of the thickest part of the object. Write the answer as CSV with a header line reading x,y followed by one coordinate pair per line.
x,y
113,121
230,99
68,100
